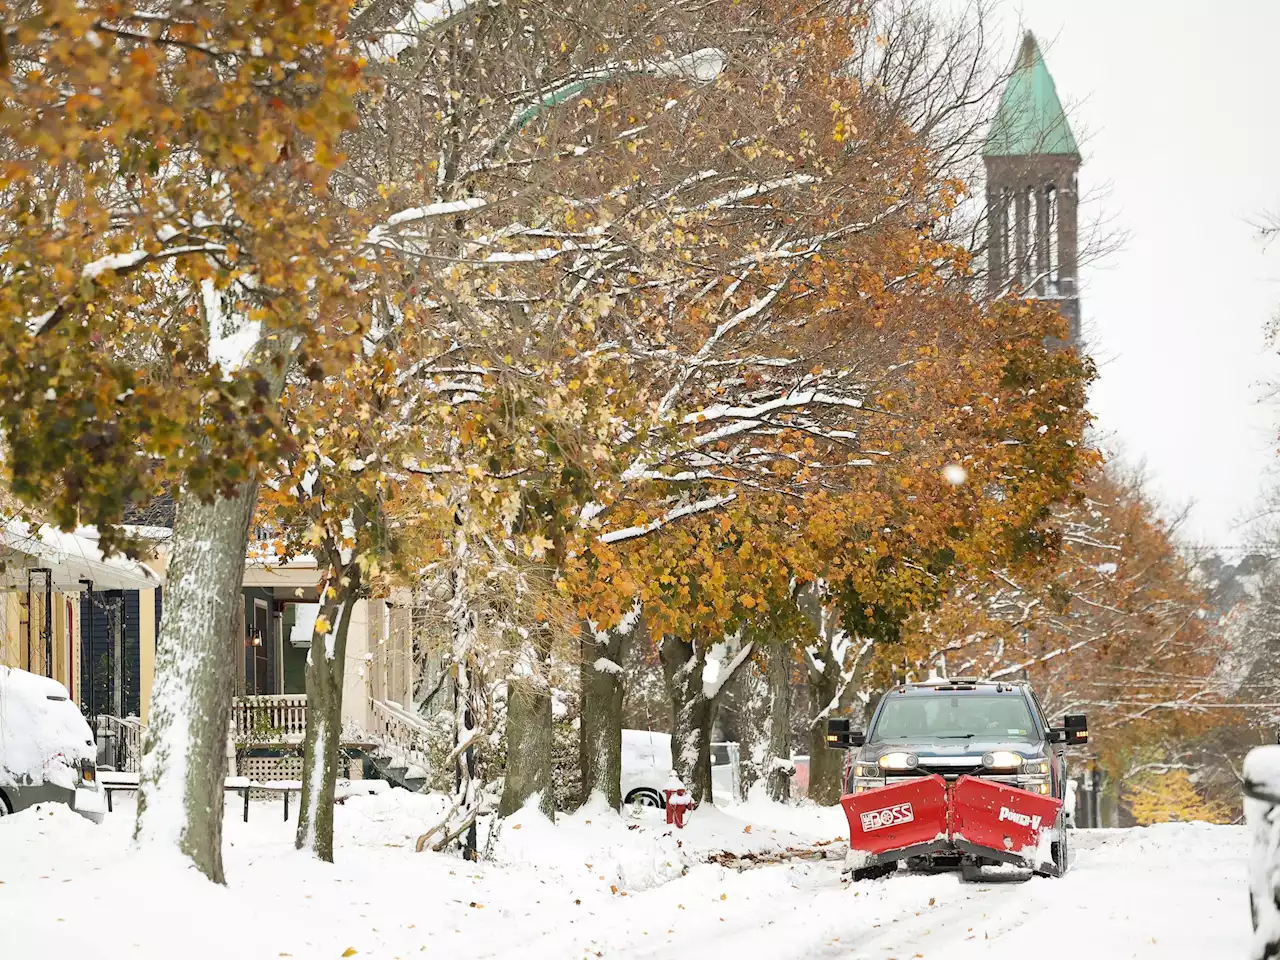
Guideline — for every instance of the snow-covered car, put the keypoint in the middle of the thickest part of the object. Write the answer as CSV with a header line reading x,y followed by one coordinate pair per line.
x,y
646,767
46,748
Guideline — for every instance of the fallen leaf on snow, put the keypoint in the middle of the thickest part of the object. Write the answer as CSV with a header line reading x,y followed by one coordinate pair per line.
x,y
349,952
747,828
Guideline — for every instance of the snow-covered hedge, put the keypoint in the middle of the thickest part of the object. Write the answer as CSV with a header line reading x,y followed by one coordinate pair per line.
x,y
43,737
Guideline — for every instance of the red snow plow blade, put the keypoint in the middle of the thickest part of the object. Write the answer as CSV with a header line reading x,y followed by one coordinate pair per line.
x,y
929,815
896,817
996,816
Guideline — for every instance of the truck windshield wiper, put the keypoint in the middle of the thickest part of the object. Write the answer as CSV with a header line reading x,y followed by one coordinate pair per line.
x,y
956,736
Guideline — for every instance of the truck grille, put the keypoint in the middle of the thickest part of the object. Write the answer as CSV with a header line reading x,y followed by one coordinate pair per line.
x,y
950,772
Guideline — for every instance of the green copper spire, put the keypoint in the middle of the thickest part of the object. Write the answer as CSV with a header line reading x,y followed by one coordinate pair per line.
x,y
1030,119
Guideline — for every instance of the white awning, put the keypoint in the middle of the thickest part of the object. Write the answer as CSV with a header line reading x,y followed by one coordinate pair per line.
x,y
71,559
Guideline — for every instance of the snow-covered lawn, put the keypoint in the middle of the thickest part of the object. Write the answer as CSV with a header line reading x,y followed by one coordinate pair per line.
x,y
599,885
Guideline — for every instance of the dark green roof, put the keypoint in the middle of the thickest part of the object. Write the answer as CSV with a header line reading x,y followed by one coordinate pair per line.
x,y
1030,119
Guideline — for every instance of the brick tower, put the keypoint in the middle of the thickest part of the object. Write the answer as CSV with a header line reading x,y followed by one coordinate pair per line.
x,y
1032,161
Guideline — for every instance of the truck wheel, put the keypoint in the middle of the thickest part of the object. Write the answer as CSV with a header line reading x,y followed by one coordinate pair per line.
x,y
1062,854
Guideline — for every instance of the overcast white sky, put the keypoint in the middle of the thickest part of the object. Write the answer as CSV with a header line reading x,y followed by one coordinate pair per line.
x,y
1177,107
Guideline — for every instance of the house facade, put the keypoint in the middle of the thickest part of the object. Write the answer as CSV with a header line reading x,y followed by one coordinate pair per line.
x,y
92,623
69,613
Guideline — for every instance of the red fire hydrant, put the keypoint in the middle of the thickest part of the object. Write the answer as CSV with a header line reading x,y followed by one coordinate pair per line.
x,y
678,801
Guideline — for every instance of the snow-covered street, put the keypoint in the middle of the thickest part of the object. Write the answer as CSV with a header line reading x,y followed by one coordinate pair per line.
x,y
597,885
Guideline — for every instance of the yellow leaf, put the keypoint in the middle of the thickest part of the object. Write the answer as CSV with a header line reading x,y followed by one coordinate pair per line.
x,y
322,625
349,952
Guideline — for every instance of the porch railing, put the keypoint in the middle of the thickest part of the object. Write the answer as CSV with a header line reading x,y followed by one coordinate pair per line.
x,y
279,718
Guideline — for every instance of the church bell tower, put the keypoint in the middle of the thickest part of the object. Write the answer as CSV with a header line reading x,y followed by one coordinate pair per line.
x,y
1032,161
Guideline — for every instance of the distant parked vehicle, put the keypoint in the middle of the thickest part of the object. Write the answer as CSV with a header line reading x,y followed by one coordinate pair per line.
x,y
646,766
46,748
800,782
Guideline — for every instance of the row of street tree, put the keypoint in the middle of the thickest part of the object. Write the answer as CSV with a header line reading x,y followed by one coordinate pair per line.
x,y
596,324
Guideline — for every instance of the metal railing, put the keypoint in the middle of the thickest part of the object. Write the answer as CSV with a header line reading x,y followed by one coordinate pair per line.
x,y
121,738
401,732
277,718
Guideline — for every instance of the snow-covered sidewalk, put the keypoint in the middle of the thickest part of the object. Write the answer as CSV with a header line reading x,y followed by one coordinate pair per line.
x,y
600,885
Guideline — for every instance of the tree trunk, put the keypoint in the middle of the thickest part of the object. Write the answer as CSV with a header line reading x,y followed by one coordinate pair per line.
x,y
464,807
691,715
184,764
781,768
529,728
600,733
749,697
826,766
326,669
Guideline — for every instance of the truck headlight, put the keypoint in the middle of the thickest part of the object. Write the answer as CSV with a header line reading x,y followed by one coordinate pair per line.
x,y
1036,767
899,761
1002,760
88,771
866,770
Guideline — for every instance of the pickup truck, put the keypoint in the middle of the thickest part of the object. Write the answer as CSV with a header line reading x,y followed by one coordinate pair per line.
x,y
953,773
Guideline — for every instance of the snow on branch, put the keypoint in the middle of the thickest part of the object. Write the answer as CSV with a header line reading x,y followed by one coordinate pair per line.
x,y
747,313
748,192
424,15
378,235
685,510
232,336
120,263
748,418
713,681
125,261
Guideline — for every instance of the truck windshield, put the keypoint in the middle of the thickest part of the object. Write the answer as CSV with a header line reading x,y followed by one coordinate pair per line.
x,y
959,716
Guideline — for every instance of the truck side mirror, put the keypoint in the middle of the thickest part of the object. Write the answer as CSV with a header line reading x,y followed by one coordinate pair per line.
x,y
840,737
1073,732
